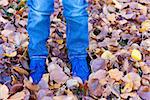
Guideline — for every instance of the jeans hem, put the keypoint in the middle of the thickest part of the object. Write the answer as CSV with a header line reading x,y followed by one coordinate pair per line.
x,y
38,57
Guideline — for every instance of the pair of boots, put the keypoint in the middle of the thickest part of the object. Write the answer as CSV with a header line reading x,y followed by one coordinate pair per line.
x,y
76,30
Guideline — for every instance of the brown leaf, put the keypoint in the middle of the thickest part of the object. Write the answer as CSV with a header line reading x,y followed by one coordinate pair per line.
x,y
94,82
16,88
115,74
31,86
70,97
97,64
20,70
132,81
144,92
18,96
57,74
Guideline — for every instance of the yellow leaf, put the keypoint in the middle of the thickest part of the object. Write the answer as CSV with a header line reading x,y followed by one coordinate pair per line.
x,y
14,79
13,54
111,17
136,55
130,78
60,41
55,86
128,87
142,29
145,26
107,55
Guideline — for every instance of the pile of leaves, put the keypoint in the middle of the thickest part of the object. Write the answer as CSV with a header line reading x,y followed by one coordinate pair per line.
x,y
119,53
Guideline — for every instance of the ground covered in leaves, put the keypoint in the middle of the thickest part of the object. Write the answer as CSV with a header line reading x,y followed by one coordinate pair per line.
x,y
119,54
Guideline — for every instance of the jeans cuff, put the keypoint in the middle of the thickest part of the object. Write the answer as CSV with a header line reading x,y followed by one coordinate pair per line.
x,y
38,57
81,56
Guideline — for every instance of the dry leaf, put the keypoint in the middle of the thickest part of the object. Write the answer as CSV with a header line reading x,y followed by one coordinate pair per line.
x,y
72,83
20,70
136,55
144,92
18,96
13,54
70,97
97,64
146,44
133,96
117,4
4,2
4,92
115,74
145,69
111,17
94,82
132,81
30,86
42,93
16,88
107,55
60,41
57,74
145,26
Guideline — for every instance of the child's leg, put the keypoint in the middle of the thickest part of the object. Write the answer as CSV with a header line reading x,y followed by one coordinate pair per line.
x,y
39,26
38,29
77,36
77,27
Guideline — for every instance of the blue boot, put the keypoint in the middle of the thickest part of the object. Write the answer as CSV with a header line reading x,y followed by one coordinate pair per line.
x,y
80,68
37,67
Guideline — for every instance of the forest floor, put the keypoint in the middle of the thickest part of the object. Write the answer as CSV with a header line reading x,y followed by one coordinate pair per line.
x,y
119,54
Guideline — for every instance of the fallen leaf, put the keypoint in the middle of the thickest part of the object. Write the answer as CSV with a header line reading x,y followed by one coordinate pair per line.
x,y
4,92
117,4
145,26
42,93
145,69
144,92
4,2
132,95
111,17
13,54
65,97
132,81
30,86
94,82
11,10
16,88
97,64
107,55
57,74
72,83
127,88
136,55
18,96
115,74
21,70
60,41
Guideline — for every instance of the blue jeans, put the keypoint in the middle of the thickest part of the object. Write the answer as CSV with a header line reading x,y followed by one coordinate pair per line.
x,y
39,27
